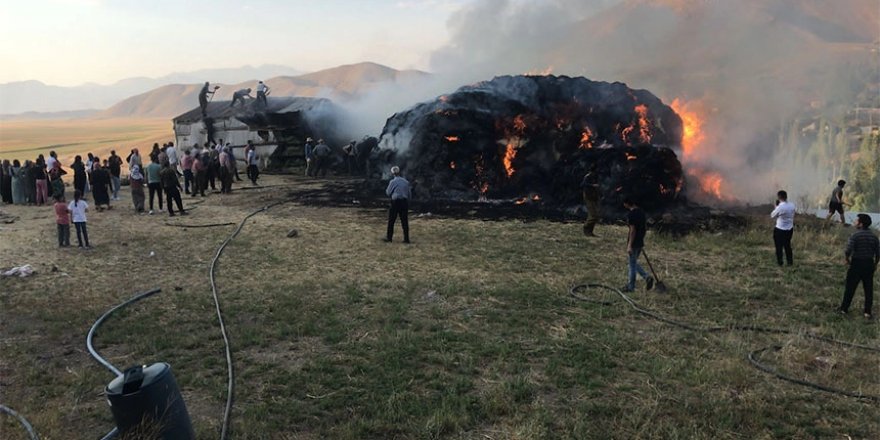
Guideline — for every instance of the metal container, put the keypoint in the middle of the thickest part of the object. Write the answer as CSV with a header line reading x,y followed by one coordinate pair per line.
x,y
146,401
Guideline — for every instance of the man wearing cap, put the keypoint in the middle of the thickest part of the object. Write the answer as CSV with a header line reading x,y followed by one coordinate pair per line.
x,y
400,192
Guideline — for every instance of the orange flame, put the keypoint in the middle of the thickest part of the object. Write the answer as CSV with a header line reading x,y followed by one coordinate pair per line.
x,y
520,201
509,155
710,183
693,135
630,156
452,165
452,138
536,198
644,125
586,139
547,71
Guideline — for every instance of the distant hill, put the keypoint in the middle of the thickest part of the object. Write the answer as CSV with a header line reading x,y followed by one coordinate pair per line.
x,y
35,96
341,83
31,116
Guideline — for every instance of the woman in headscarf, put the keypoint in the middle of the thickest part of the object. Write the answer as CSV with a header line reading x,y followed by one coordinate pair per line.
x,y
42,182
79,174
30,182
17,183
100,185
135,159
6,181
55,179
136,181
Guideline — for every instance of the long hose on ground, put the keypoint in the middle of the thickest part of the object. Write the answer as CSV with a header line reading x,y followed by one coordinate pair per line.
x,y
24,423
753,357
94,352
224,432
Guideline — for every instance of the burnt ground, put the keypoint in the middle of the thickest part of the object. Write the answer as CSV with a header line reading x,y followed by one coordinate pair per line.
x,y
681,219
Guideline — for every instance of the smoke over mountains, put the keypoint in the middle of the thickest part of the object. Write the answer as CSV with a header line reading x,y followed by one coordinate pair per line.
x,y
745,66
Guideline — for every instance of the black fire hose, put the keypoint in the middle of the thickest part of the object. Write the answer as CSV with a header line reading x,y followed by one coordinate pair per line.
x,y
753,357
211,225
24,423
211,275
94,353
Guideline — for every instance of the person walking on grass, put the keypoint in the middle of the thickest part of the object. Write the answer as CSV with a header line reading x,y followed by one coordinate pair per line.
x,y
78,208
836,203
171,185
400,192
635,242
136,182
154,183
862,255
62,220
784,230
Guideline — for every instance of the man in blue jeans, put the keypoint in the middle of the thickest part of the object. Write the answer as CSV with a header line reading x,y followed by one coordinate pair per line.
x,y
635,242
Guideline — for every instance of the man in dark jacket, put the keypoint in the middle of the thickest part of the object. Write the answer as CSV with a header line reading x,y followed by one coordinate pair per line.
x,y
400,192
171,185
862,255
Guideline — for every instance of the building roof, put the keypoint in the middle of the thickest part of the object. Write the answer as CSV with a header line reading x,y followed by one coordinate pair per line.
x,y
251,111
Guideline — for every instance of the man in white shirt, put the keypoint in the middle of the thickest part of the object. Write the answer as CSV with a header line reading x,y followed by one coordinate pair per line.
x,y
171,154
262,90
784,215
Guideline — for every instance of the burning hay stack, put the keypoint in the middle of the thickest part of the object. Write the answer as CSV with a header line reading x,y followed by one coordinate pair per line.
x,y
532,138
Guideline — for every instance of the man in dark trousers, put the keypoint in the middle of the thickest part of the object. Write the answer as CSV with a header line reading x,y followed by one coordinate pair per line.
x,y
862,256
203,98
115,165
835,203
400,192
635,242
239,95
168,177
322,158
784,230
590,188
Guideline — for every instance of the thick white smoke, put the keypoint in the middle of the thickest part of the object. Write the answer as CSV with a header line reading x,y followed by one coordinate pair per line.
x,y
748,66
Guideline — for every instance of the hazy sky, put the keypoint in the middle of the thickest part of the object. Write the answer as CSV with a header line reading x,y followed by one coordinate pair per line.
x,y
69,42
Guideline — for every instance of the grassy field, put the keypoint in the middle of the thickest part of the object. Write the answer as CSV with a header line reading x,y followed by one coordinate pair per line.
x,y
468,333
26,139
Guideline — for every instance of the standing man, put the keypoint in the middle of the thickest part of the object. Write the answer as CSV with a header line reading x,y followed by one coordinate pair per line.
x,y
239,96
154,181
835,203
262,90
782,233
187,164
322,158
252,161
115,165
590,188
168,176
400,192
171,154
203,98
862,256
310,156
635,242
350,157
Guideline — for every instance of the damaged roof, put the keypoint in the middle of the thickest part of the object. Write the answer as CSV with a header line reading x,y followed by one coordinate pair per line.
x,y
250,111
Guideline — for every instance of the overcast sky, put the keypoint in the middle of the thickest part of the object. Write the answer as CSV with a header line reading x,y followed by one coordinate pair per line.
x,y
69,42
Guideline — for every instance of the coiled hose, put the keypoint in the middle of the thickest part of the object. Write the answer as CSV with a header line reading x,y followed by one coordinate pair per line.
x,y
753,357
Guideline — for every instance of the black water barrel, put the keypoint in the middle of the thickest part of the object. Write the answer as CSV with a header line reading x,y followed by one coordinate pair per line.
x,y
146,401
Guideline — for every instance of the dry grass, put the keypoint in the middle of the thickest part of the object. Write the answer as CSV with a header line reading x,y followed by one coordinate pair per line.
x,y
24,139
468,333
